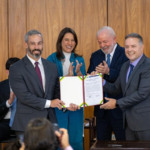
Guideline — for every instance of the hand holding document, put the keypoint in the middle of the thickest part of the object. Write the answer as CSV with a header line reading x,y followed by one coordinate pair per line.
x,y
81,90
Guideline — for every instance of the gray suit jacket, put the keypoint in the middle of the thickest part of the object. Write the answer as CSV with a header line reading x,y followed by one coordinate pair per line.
x,y
135,102
31,98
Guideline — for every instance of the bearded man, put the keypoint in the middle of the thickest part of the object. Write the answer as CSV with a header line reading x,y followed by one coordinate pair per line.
x,y
35,83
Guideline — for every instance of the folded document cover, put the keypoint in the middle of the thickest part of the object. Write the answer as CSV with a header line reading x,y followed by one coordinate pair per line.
x,y
81,90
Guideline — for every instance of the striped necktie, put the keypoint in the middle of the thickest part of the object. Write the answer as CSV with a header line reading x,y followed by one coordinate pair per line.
x,y
131,69
108,60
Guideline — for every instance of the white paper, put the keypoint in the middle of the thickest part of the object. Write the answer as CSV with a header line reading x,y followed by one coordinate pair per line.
x,y
71,90
93,90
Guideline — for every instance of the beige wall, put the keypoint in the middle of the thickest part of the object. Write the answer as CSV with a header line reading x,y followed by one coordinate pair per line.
x,y
84,16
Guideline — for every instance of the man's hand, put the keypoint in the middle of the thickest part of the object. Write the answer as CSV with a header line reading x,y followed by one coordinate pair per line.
x,y
73,107
93,73
102,68
57,103
78,66
11,98
111,104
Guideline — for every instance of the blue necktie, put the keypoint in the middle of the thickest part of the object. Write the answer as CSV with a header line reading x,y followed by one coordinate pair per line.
x,y
108,60
13,111
131,69
108,63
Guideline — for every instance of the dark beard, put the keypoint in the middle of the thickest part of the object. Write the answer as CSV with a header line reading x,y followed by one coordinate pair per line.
x,y
36,56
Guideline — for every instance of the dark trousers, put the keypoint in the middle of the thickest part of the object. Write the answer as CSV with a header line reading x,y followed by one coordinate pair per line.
x,y
137,135
4,129
106,124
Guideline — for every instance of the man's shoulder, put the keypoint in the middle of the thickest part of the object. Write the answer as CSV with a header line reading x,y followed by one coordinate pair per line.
x,y
4,88
52,57
120,50
146,61
120,47
4,82
48,63
97,53
4,85
120,53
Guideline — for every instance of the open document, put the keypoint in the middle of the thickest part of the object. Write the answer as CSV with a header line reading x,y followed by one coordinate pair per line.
x,y
81,90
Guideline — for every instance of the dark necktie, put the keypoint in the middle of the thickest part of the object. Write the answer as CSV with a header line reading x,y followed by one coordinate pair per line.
x,y
108,63
108,60
38,72
131,69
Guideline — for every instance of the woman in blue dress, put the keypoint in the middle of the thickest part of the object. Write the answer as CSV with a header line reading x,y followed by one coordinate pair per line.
x,y
69,64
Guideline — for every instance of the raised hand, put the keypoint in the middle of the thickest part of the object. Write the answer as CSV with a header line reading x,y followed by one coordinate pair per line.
x,y
78,66
71,69
103,68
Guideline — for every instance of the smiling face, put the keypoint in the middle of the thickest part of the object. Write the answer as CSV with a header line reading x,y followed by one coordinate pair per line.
x,y
68,43
133,48
106,41
34,46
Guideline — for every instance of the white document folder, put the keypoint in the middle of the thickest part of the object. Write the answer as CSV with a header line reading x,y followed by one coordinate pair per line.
x,y
81,90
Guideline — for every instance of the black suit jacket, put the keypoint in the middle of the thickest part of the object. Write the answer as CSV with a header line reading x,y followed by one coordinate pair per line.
x,y
31,98
4,96
117,61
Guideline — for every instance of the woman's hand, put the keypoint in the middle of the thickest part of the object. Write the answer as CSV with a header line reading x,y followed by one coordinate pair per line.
x,y
78,66
73,107
71,69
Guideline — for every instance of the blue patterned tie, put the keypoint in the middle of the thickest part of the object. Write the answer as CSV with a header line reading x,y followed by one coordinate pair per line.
x,y
108,60
131,69
108,63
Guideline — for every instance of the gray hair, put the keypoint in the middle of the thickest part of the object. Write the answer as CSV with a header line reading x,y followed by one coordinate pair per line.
x,y
30,33
135,35
107,28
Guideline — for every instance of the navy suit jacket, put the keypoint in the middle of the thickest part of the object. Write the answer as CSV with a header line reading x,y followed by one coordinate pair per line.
x,y
31,98
4,96
135,102
117,61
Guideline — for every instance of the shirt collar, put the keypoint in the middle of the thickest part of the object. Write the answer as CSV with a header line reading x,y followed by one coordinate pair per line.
x,y
112,53
136,61
33,61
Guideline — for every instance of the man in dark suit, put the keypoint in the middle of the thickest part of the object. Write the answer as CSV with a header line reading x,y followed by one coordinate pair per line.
x,y
134,83
108,120
35,83
6,100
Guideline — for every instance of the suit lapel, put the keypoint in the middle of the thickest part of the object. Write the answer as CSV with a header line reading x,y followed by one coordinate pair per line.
x,y
30,68
47,78
125,84
134,72
115,57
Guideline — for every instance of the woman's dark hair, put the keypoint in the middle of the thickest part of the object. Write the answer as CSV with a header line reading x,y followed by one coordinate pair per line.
x,y
62,33
39,135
